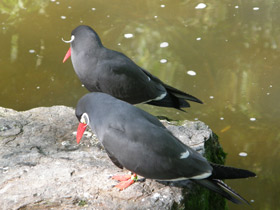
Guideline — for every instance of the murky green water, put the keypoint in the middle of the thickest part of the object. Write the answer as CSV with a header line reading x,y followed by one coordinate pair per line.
x,y
232,46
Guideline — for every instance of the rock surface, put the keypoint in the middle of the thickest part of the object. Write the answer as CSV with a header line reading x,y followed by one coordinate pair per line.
x,y
42,167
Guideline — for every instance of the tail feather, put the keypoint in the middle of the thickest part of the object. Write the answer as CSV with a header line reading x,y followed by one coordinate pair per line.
x,y
226,172
175,98
221,188
171,101
180,94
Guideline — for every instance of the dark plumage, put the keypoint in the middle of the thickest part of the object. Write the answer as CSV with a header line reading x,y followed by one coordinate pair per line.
x,y
140,143
103,70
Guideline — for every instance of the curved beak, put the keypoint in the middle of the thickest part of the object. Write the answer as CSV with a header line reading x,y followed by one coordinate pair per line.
x,y
80,131
68,54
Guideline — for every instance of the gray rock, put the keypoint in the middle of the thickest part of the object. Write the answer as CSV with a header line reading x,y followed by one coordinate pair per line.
x,y
42,167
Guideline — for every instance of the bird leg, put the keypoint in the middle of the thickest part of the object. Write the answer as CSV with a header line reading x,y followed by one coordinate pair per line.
x,y
125,180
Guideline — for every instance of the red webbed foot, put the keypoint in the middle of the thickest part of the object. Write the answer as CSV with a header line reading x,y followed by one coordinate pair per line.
x,y
121,177
125,180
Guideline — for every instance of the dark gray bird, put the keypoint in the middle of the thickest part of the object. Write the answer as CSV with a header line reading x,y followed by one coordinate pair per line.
x,y
138,141
103,70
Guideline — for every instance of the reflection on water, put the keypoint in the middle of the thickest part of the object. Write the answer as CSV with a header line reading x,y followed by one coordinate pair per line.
x,y
226,54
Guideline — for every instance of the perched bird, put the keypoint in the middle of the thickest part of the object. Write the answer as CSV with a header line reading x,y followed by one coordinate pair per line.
x,y
103,70
139,142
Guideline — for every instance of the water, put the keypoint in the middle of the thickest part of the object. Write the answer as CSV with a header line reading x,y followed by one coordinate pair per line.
x,y
225,53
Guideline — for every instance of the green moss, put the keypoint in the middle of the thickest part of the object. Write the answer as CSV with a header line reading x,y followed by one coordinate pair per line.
x,y
200,197
82,203
213,150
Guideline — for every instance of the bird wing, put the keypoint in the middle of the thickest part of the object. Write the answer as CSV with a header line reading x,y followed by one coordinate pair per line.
x,y
121,77
152,151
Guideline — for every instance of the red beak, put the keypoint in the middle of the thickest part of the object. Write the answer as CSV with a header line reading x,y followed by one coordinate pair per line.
x,y
68,54
80,131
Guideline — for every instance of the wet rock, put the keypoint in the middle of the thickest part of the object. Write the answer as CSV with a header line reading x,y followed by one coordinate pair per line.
x,y
42,167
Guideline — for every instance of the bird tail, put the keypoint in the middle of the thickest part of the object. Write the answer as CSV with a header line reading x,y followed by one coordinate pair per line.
x,y
215,184
171,101
221,188
181,95
226,172
175,98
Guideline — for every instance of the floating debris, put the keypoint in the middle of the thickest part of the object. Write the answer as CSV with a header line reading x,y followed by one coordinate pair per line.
x,y
256,8
63,17
128,36
243,154
163,60
162,6
253,119
31,51
211,97
191,73
200,6
164,44
198,38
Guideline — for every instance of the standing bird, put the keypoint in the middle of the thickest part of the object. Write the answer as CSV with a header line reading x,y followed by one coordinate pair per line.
x,y
103,70
139,142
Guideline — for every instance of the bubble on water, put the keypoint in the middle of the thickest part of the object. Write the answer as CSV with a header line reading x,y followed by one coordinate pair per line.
x,y
243,154
198,38
31,51
155,16
162,6
221,118
252,201
268,94
211,97
57,2
270,86
191,73
38,87
256,8
163,60
53,0
164,44
200,6
253,119
128,36
93,9
236,7
119,44
63,17
69,7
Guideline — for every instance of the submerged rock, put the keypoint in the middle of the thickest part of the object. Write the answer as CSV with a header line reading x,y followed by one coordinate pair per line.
x,y
42,167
